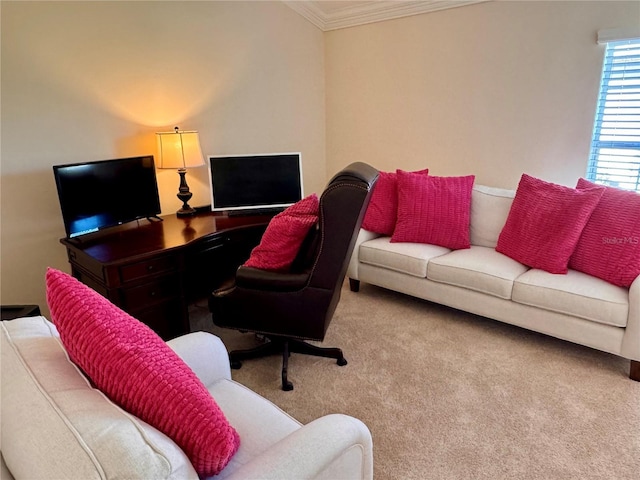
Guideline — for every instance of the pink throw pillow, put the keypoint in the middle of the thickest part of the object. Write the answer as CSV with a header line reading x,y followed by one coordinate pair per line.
x,y
128,362
545,223
435,210
382,212
284,235
609,247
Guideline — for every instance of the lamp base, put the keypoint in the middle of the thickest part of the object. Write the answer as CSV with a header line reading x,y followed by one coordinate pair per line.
x,y
184,195
186,212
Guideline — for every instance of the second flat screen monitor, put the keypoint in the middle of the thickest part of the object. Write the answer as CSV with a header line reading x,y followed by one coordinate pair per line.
x,y
254,182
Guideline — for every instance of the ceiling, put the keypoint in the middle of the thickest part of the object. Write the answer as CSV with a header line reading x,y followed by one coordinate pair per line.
x,y
334,14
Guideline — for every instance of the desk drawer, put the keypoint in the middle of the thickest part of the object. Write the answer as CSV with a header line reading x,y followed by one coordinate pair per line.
x,y
144,269
150,293
167,319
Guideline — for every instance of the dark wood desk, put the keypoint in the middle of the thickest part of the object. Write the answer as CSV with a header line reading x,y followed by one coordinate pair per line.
x,y
10,312
153,269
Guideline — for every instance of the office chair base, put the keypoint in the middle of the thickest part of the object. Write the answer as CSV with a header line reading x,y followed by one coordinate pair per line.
x,y
277,346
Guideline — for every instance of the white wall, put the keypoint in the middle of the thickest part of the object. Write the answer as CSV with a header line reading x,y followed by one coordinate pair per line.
x,y
493,89
95,80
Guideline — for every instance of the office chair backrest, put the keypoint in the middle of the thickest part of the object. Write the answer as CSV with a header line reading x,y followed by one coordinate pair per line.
x,y
342,207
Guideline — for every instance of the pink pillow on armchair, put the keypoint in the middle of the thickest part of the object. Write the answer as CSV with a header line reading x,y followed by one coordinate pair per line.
x,y
284,235
609,247
382,212
136,369
434,210
545,223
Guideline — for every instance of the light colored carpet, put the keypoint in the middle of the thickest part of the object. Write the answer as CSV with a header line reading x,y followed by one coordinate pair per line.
x,y
449,395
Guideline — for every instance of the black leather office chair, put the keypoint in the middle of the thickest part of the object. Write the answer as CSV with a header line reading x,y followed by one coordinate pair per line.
x,y
288,308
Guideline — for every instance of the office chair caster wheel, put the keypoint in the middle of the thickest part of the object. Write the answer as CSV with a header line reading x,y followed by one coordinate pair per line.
x,y
342,361
235,364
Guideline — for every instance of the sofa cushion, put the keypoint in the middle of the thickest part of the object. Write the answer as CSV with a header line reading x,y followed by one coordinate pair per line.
x,y
382,211
545,222
284,235
134,367
59,426
478,268
409,258
489,212
609,247
435,210
576,294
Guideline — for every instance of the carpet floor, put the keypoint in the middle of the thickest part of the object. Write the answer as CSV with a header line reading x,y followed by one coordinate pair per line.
x,y
450,395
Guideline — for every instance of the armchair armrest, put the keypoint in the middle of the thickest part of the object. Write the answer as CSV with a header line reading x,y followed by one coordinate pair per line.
x,y
205,354
254,278
334,446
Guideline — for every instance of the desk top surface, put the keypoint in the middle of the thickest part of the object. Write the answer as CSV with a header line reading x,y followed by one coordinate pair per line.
x,y
145,237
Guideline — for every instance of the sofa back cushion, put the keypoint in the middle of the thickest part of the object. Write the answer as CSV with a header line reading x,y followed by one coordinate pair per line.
x,y
59,426
489,211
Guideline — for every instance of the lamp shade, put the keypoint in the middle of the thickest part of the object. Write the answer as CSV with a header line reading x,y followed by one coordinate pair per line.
x,y
179,149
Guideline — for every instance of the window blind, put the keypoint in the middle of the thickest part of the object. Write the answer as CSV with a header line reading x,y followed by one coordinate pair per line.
x,y
615,147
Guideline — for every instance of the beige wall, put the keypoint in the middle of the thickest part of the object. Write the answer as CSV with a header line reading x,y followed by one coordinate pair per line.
x,y
94,80
494,89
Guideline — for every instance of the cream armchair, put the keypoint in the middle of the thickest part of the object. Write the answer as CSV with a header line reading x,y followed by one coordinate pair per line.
x,y
56,425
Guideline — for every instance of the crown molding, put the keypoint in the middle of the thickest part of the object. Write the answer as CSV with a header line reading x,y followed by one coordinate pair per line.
x,y
370,12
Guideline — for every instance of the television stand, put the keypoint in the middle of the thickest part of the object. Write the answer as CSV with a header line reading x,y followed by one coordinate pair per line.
x,y
155,270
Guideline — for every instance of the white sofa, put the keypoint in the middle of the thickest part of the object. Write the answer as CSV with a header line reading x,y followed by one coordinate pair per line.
x,y
574,307
56,425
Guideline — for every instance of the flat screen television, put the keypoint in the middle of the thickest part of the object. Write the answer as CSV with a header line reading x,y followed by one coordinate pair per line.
x,y
102,194
252,183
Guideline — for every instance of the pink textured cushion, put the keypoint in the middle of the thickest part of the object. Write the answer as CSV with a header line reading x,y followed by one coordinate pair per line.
x,y
545,222
284,235
382,211
609,247
127,361
435,210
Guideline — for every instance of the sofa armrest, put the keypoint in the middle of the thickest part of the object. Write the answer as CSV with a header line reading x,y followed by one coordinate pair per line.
x,y
331,447
205,354
631,340
363,236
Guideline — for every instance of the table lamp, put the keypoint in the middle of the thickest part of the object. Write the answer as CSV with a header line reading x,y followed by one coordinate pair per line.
x,y
181,150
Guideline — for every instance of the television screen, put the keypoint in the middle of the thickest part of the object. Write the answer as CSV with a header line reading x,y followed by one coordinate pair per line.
x,y
97,195
255,182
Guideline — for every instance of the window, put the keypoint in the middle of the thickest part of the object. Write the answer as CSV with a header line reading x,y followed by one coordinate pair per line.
x,y
615,147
